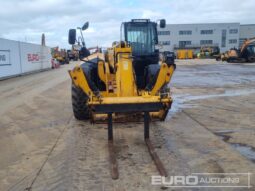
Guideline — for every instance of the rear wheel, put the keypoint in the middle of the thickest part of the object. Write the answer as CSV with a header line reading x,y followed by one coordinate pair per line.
x,y
79,102
251,59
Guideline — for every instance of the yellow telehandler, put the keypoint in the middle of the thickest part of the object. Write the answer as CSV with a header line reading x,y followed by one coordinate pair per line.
x,y
126,79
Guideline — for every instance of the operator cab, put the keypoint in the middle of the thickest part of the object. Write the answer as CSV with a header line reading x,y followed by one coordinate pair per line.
x,y
249,53
251,50
142,36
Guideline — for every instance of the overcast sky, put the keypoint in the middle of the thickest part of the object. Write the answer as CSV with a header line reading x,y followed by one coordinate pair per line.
x,y
26,20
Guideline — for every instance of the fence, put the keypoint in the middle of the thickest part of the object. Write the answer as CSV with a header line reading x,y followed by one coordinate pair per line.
x,y
17,58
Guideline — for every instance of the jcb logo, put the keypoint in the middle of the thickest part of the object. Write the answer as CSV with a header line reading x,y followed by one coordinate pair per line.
x,y
2,58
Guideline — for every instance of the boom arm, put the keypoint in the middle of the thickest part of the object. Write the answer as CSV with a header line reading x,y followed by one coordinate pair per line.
x,y
247,43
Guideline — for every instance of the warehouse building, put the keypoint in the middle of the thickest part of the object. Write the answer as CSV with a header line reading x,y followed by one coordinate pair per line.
x,y
223,35
246,32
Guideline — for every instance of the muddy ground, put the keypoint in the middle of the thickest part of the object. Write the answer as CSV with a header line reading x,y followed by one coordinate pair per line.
x,y
210,129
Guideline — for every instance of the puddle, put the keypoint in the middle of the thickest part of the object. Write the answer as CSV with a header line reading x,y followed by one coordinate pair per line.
x,y
180,101
224,132
224,135
177,105
227,93
245,150
213,75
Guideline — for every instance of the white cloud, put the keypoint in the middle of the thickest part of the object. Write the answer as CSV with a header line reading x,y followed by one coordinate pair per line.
x,y
152,14
26,19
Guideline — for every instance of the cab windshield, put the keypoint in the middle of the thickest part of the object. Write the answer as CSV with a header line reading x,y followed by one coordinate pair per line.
x,y
251,49
142,38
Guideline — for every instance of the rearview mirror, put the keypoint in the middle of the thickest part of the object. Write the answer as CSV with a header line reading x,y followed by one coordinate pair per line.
x,y
72,36
85,26
162,23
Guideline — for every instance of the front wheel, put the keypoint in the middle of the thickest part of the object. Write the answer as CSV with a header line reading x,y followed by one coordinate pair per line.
x,y
79,102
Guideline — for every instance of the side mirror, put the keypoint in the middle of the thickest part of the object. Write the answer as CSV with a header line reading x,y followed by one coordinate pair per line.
x,y
162,23
85,26
72,36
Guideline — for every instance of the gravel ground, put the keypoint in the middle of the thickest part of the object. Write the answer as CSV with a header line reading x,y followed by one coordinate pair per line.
x,y
210,129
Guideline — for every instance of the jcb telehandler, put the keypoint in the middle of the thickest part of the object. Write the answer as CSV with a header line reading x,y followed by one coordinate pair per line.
x,y
128,78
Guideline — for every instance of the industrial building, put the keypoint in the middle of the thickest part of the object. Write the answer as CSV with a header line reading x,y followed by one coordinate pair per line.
x,y
223,35
246,32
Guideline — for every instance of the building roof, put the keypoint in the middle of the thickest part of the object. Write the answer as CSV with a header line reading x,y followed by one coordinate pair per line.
x,y
248,25
206,23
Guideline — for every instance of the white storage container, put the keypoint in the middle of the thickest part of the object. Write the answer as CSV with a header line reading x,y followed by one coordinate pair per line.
x,y
9,58
18,58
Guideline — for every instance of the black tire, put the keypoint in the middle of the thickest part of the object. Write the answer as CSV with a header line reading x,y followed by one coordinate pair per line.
x,y
79,102
152,72
230,60
251,59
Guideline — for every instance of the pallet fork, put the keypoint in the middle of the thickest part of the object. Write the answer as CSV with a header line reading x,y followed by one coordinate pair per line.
x,y
112,156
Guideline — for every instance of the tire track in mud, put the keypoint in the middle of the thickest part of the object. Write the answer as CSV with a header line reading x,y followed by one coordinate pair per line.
x,y
81,162
47,158
81,159
166,146
89,162
135,165
32,178
84,161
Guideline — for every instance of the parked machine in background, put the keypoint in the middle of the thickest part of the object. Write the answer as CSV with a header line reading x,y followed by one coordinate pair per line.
x,y
197,51
167,57
128,81
73,54
60,55
209,52
245,54
184,54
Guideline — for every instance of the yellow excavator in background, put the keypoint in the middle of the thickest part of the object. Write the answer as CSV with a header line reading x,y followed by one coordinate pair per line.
x,y
245,54
60,55
209,52
128,79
